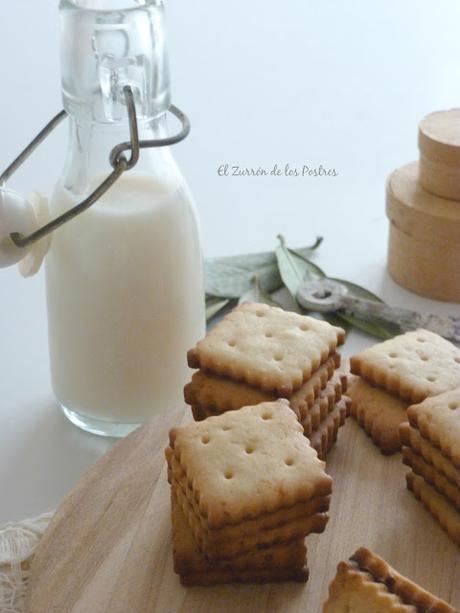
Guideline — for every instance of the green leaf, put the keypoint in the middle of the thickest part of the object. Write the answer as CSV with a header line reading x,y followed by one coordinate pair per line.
x,y
356,291
335,320
214,306
230,277
306,251
315,272
374,328
255,276
377,329
256,294
294,268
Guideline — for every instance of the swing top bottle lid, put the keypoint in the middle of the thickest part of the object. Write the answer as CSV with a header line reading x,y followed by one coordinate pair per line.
x,y
106,45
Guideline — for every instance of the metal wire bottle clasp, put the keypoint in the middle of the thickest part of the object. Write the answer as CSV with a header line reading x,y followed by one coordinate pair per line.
x,y
118,160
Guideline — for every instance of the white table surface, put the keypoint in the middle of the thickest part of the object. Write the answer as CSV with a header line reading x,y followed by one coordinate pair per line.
x,y
335,83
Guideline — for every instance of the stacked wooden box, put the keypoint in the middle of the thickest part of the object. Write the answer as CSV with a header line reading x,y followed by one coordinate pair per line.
x,y
423,206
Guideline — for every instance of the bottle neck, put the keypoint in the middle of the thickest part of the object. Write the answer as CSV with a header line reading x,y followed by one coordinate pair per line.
x,y
104,49
90,145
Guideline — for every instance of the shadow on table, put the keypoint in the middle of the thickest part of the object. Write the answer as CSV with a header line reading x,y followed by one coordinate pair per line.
x,y
47,456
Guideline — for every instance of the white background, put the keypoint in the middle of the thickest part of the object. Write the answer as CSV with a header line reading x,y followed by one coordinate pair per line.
x,y
342,84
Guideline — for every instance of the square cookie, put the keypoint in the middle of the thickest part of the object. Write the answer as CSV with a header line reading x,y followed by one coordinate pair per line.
x,y
356,591
438,420
326,401
214,394
414,365
244,529
368,584
219,576
440,508
199,414
266,347
306,396
409,591
211,394
432,476
217,546
378,412
245,463
324,437
411,438
188,559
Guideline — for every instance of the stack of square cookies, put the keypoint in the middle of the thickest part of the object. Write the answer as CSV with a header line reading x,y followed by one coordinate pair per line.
x,y
431,449
367,584
246,488
259,353
321,421
405,369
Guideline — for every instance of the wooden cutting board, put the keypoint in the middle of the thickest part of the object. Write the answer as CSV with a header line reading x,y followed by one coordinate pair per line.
x,y
108,548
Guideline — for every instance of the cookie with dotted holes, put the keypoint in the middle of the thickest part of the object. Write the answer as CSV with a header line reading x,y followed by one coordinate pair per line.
x,y
266,347
245,463
414,365
438,420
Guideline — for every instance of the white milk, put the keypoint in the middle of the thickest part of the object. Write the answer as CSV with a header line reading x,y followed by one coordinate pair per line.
x,y
125,300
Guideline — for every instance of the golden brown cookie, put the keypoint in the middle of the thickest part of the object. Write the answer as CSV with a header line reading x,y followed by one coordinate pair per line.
x,y
217,576
305,397
411,438
369,584
212,395
189,560
217,546
438,420
324,437
244,529
378,412
413,366
325,402
245,463
355,591
266,347
440,508
432,476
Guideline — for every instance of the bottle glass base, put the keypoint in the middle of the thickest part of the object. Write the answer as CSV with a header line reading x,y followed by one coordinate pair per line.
x,y
97,426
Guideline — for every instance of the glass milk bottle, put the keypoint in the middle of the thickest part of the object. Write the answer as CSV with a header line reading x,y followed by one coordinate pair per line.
x,y
124,279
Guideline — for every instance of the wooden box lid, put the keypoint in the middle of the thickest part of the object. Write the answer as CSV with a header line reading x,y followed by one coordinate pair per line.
x,y
418,212
439,144
439,136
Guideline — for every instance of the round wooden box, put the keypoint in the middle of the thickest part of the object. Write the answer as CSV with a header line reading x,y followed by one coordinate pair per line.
x,y
424,241
439,144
